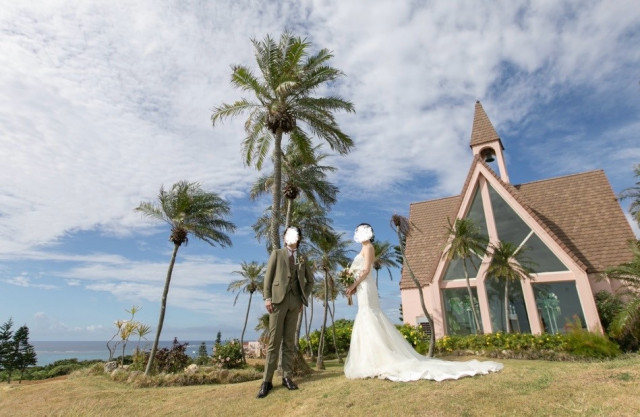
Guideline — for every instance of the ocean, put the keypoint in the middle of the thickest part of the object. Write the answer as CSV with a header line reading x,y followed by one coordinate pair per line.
x,y
48,352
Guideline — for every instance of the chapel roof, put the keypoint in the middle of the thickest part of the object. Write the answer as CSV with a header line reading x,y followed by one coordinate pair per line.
x,y
580,212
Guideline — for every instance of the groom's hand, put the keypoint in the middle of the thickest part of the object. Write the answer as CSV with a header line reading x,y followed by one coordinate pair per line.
x,y
268,305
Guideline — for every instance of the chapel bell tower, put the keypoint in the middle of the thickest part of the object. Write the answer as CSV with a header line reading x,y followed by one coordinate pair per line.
x,y
486,142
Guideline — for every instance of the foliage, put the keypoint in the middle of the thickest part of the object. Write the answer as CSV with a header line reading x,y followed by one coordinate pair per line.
x,y
343,329
228,355
634,194
57,368
203,357
167,360
577,343
283,102
187,208
416,337
125,329
16,353
609,307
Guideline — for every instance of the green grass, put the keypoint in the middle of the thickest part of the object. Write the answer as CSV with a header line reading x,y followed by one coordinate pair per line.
x,y
522,388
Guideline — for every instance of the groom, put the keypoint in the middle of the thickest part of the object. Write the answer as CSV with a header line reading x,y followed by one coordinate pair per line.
x,y
287,284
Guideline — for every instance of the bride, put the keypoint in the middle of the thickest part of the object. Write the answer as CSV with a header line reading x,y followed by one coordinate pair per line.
x,y
377,347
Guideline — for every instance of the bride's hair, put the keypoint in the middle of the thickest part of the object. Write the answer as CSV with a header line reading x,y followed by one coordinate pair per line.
x,y
364,227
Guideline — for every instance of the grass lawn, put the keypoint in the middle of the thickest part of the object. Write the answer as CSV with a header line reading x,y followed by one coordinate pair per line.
x,y
522,388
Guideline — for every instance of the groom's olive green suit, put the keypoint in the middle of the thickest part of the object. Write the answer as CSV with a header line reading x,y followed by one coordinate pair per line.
x,y
288,285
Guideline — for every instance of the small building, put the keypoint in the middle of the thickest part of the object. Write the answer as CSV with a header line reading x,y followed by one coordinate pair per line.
x,y
572,228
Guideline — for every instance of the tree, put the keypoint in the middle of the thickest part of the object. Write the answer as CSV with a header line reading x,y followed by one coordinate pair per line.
x,y
263,327
6,345
384,257
466,241
282,98
24,353
402,228
633,193
625,324
301,174
511,264
327,252
252,280
187,209
203,355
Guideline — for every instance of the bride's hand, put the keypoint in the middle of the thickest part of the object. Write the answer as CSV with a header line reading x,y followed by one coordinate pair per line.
x,y
352,289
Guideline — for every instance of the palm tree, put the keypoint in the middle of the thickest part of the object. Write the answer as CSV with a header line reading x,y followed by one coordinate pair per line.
x,y
466,241
328,252
252,280
384,257
403,228
634,193
263,327
301,174
511,264
283,97
187,209
626,321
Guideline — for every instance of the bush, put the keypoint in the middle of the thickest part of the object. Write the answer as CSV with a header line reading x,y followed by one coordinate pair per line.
x,y
166,360
228,355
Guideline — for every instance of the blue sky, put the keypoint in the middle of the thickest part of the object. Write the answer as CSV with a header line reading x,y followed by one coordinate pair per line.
x,y
103,102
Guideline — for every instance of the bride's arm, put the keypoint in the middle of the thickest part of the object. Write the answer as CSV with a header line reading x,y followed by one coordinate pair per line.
x,y
369,255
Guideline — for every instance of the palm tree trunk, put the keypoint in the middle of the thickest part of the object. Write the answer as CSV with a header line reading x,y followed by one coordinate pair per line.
x,y
288,220
506,306
277,191
333,328
163,307
307,326
246,319
320,360
432,338
471,298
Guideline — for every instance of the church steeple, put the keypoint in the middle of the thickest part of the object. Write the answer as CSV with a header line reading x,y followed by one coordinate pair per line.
x,y
486,142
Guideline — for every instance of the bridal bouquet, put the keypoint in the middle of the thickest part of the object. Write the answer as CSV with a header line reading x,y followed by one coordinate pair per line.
x,y
347,277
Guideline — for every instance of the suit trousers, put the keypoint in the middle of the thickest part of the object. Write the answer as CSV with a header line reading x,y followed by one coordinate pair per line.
x,y
282,329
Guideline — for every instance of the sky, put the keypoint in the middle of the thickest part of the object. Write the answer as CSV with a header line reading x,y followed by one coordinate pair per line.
x,y
104,102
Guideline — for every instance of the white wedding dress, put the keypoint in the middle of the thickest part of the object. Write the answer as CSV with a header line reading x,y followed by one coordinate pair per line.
x,y
378,349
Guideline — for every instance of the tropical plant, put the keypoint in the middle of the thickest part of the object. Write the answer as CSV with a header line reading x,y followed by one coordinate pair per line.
x,y
625,322
252,280
263,328
328,252
385,257
187,209
301,174
282,98
634,194
509,263
402,228
466,241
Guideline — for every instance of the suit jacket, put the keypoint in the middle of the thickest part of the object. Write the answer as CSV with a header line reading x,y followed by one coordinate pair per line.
x,y
278,274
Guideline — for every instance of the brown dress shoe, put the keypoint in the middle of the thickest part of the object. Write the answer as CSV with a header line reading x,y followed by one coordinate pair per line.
x,y
287,382
264,389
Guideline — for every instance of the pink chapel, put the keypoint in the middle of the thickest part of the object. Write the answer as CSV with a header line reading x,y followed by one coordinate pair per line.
x,y
572,227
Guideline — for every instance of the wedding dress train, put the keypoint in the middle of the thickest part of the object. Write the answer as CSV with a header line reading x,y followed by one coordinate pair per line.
x,y
378,349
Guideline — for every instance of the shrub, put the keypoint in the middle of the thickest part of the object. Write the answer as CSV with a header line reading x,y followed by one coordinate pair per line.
x,y
228,355
166,360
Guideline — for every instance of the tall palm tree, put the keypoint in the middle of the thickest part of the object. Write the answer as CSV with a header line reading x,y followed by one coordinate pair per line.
x,y
511,264
283,100
402,228
384,257
466,241
187,209
634,193
301,174
328,252
626,322
252,280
